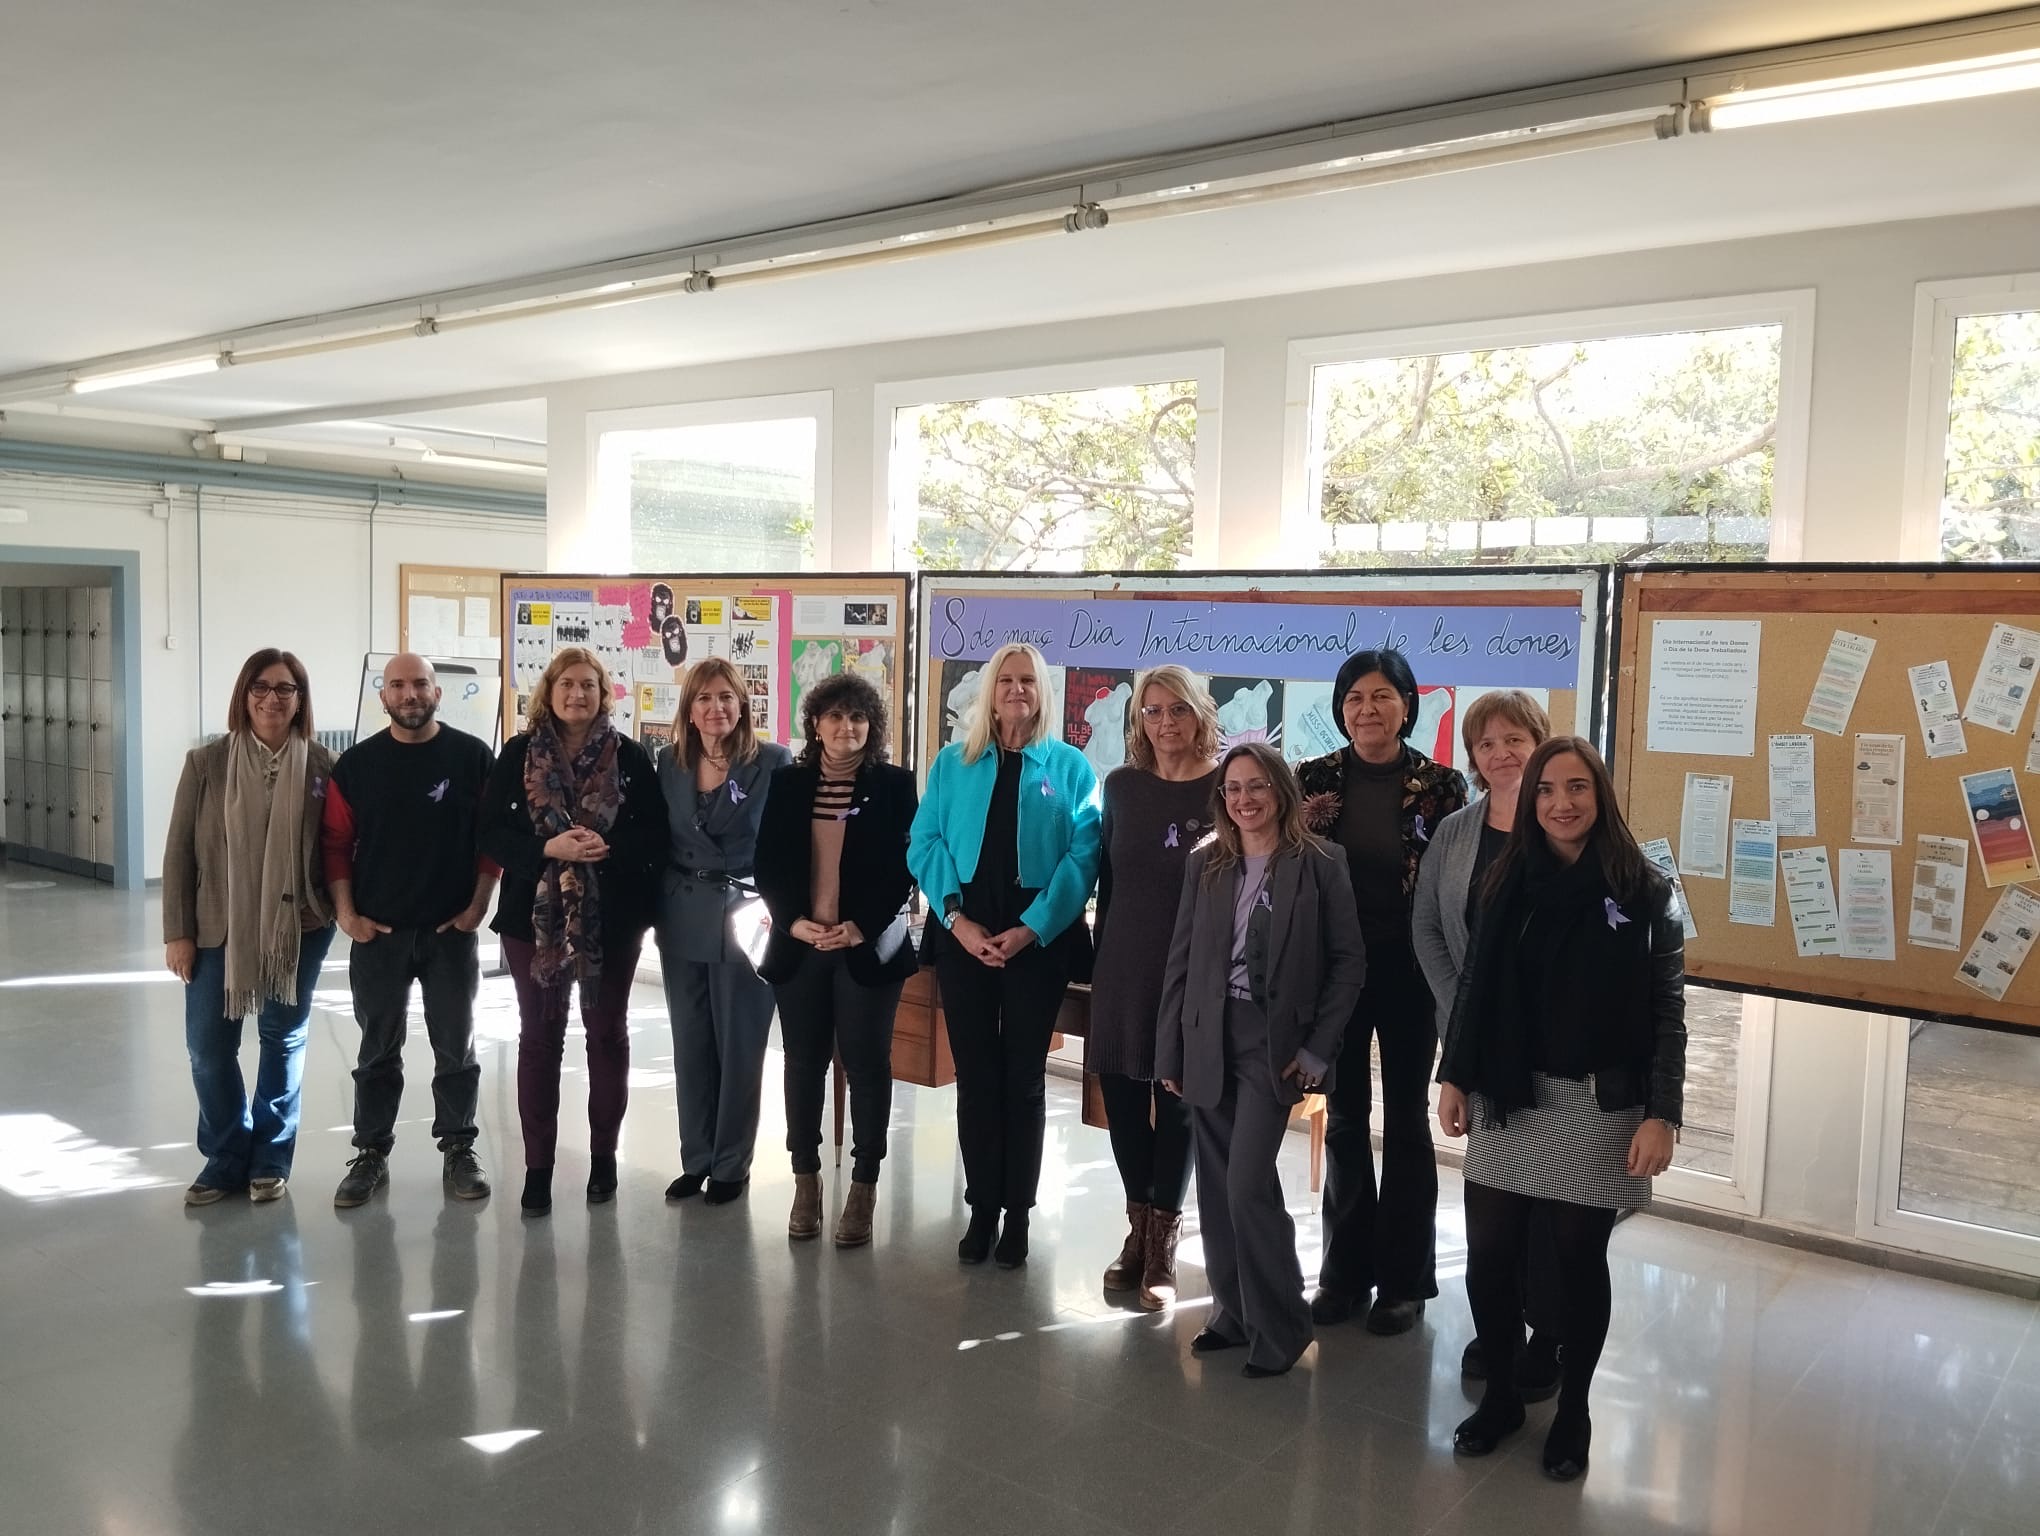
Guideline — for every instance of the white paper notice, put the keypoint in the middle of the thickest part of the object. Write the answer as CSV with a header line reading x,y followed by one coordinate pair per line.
x,y
1841,676
1877,790
1753,876
1659,851
433,624
1866,904
1940,717
1940,877
1810,900
2033,748
2004,680
1993,961
474,616
1703,825
1792,785
1703,686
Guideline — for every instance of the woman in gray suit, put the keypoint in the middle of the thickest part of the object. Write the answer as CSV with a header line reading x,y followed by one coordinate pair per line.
x,y
1265,967
714,778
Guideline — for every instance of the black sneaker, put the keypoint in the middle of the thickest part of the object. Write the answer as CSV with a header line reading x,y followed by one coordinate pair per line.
x,y
1328,1308
464,1172
367,1172
1394,1316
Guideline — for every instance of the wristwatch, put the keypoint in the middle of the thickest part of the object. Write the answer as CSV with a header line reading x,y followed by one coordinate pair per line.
x,y
952,909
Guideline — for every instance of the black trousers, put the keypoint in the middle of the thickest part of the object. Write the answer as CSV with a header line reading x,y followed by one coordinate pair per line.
x,y
1151,1140
1501,1227
380,974
999,1020
823,1010
1384,1238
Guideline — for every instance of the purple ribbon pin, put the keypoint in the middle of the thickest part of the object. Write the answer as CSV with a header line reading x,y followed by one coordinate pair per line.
x,y
1423,832
1170,841
1616,918
1262,900
737,795
1046,789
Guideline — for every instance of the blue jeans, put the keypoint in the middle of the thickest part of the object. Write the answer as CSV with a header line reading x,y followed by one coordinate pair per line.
x,y
240,1142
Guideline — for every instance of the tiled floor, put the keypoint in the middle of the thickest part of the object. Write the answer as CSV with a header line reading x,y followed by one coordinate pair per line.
x,y
644,1368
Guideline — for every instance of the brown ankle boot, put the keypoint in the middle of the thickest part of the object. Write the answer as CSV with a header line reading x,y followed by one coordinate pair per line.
x,y
853,1227
806,1220
1158,1268
1123,1273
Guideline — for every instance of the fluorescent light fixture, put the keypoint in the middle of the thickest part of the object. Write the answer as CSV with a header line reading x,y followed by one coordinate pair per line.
x,y
184,368
475,461
1956,80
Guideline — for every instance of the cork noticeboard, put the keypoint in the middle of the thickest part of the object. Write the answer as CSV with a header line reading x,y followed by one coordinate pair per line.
x,y
783,633
1269,644
450,610
1917,616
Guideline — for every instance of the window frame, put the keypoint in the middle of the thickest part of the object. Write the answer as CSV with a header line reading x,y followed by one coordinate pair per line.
x,y
896,524
1792,310
611,507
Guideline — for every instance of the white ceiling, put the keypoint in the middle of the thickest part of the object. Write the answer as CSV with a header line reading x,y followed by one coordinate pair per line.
x,y
204,166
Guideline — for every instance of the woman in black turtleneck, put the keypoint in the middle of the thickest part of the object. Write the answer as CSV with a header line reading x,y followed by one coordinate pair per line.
x,y
1380,799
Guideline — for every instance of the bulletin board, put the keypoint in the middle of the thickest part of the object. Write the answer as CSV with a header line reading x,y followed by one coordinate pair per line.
x,y
1824,633
1270,644
784,633
450,610
470,695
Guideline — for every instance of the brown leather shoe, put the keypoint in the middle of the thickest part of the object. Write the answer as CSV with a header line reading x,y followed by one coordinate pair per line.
x,y
853,1227
1123,1273
806,1220
1158,1269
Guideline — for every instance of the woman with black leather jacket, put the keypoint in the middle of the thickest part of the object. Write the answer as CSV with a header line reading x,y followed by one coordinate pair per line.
x,y
1565,1068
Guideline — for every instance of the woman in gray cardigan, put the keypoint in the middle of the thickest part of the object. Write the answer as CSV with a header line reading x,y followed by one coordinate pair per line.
x,y
1499,731
1265,967
714,778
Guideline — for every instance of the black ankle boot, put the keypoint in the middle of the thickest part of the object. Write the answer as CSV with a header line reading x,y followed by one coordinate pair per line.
x,y
537,1197
1012,1250
1497,1418
976,1246
1565,1448
601,1178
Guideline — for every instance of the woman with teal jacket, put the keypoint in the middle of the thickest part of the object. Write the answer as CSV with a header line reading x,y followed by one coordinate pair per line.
x,y
1005,848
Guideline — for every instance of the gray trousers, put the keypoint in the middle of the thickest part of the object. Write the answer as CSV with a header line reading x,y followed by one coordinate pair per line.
x,y
721,1015
1249,1239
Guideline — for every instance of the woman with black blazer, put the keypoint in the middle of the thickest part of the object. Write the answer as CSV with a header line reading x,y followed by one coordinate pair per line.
x,y
1565,1069
832,869
572,815
1265,966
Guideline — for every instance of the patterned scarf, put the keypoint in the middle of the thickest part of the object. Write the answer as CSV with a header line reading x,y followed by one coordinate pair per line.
x,y
585,790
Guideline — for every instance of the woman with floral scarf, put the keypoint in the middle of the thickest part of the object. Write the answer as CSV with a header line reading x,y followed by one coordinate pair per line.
x,y
572,813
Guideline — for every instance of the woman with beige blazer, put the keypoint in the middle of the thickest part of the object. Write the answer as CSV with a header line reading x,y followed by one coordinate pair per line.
x,y
1265,966
247,922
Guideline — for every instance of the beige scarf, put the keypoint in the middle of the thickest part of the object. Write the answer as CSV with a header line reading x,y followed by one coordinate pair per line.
x,y
265,872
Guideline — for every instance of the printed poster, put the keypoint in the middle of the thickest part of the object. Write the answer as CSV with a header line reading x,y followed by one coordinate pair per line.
x,y
1940,873
1866,904
2001,947
1659,851
1840,680
1703,686
813,660
2004,679
1940,717
1810,901
1309,728
1097,708
1249,709
1878,789
1792,805
1997,818
1753,875
1703,825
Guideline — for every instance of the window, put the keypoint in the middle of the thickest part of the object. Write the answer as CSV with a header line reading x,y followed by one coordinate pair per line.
x,y
1969,1139
1654,446
1990,489
1081,469
733,486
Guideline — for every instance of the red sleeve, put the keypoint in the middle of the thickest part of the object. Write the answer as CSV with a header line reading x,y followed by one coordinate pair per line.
x,y
336,835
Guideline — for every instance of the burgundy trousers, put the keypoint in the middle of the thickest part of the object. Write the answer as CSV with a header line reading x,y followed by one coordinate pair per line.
x,y
542,1045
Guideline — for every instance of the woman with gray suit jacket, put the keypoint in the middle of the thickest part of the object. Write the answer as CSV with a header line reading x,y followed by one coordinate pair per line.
x,y
714,778
1265,967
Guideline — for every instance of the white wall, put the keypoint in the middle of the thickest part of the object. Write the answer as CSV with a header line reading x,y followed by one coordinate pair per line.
x,y
1863,279
313,576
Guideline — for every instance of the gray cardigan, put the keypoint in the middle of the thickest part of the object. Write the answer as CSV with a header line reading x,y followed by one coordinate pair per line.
x,y
1316,970
1438,912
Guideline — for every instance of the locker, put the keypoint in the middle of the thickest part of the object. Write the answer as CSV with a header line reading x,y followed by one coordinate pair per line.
x,y
78,814
13,798
56,623
101,724
10,631
57,719
79,755
10,712
102,818
33,814
79,628
32,630
102,635
32,741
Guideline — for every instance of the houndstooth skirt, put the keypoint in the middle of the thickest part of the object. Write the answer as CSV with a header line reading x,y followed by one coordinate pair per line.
x,y
1566,1148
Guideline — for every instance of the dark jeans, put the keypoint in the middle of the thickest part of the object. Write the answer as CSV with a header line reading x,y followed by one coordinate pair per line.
x,y
1498,1236
1384,1240
1151,1140
823,1010
447,972
241,1141
542,1045
999,1020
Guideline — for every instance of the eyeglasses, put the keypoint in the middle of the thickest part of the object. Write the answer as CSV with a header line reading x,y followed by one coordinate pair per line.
x,y
1166,711
1232,789
261,690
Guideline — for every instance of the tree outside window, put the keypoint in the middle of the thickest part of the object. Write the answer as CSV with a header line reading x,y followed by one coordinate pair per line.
x,y
1990,507
728,496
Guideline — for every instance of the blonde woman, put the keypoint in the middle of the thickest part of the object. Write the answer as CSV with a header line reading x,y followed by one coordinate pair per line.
x,y
1005,846
571,813
714,778
1265,966
1157,808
